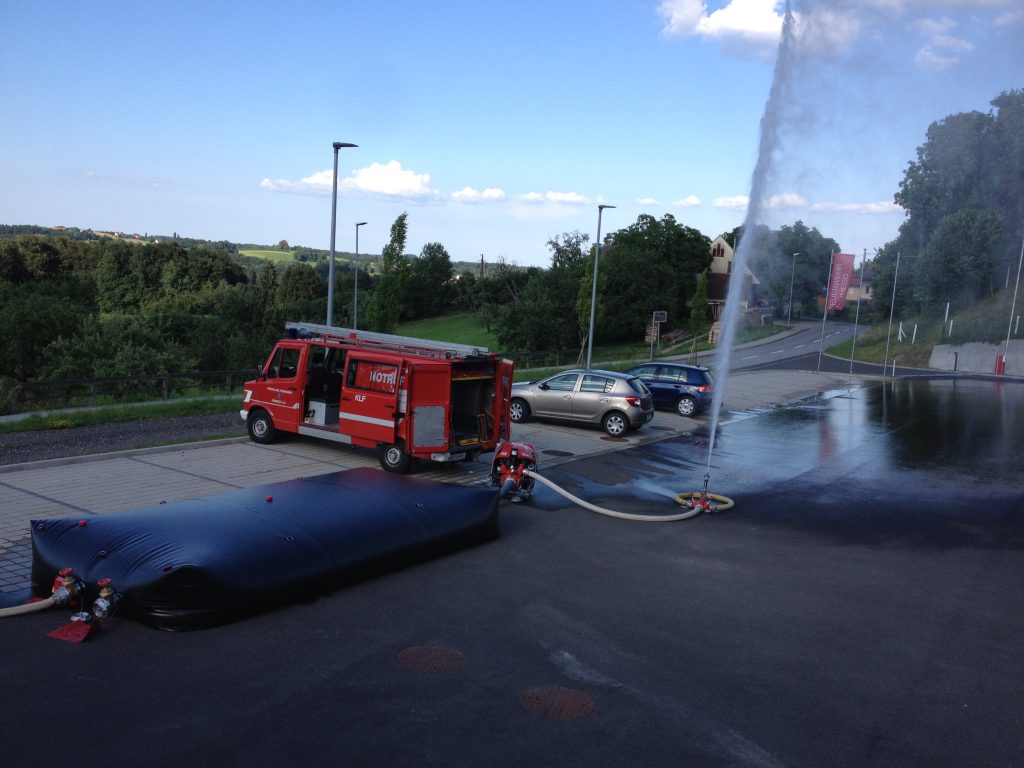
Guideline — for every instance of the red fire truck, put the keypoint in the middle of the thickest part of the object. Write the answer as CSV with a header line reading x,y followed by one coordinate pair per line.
x,y
408,398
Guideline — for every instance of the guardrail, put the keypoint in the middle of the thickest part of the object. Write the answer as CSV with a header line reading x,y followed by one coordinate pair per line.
x,y
117,390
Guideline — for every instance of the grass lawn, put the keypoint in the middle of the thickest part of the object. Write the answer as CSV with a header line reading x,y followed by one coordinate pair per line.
x,y
269,255
458,329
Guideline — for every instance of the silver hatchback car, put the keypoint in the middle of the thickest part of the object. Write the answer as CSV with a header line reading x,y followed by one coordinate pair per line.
x,y
616,401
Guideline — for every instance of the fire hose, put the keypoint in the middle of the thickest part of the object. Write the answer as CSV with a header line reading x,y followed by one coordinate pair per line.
x,y
699,501
20,610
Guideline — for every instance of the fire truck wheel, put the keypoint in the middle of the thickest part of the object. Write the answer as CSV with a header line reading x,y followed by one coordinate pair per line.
x,y
615,424
518,410
394,458
261,427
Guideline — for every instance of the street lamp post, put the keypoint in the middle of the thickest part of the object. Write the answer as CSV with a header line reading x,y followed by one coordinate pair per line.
x,y
593,288
792,274
355,297
334,215
892,306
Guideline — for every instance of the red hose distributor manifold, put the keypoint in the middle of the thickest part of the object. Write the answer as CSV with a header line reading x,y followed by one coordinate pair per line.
x,y
508,470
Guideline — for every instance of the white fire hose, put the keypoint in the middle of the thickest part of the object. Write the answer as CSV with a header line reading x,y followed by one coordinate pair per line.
x,y
725,503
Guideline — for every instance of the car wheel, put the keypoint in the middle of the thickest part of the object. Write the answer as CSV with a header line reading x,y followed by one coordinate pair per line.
x,y
686,406
394,458
261,427
615,424
518,410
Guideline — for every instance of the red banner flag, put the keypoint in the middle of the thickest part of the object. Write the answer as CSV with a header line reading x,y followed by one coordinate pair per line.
x,y
839,281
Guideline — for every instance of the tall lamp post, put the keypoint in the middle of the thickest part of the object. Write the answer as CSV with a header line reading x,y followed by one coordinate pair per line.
x,y
334,215
792,274
593,288
892,306
355,297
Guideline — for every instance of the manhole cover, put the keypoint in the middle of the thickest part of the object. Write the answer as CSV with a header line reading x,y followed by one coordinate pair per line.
x,y
556,452
433,659
558,703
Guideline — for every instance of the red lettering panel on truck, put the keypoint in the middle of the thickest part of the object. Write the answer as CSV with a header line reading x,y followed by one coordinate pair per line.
x,y
376,377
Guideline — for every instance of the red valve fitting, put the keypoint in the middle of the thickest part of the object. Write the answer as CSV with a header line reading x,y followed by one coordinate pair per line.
x,y
66,587
105,606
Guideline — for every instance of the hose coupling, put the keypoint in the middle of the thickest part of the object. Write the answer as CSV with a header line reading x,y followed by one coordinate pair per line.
x,y
105,606
67,587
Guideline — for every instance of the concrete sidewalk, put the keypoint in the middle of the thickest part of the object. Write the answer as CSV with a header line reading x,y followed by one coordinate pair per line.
x,y
113,482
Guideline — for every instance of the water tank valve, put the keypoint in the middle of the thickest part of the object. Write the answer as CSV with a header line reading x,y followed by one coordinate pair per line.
x,y
105,606
66,587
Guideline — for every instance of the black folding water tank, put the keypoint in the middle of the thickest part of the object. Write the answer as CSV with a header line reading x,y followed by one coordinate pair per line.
x,y
202,562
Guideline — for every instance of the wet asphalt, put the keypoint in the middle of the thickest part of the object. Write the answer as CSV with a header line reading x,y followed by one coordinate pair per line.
x,y
862,605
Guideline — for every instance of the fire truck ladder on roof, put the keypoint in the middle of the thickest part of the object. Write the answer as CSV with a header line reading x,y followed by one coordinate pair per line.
x,y
388,341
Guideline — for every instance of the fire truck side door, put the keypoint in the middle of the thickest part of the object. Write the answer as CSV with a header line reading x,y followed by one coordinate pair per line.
x,y
369,395
502,419
281,392
429,392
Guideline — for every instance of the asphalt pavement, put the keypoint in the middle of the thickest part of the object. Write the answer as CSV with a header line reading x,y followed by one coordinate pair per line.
x,y
861,605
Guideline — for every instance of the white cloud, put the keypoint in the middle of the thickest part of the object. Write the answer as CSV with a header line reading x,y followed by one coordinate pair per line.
x,y
390,179
942,49
733,203
1009,18
753,22
471,195
647,201
691,201
318,183
861,208
786,200
562,198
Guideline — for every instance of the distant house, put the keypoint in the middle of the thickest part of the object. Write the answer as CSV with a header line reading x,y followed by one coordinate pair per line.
x,y
860,286
718,279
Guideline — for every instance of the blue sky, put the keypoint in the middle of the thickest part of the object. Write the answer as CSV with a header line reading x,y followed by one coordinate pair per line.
x,y
494,125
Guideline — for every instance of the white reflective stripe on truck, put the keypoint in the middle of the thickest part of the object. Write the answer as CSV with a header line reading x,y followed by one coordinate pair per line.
x,y
367,419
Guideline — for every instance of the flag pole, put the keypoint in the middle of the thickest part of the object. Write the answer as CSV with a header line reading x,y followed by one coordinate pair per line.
x,y
856,317
821,341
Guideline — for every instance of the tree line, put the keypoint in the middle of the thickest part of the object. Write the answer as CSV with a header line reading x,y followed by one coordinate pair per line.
x,y
74,306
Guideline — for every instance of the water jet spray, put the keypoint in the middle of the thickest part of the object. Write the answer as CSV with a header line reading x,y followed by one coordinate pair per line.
x,y
771,122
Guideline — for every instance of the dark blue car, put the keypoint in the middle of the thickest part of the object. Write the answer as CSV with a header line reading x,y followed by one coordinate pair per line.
x,y
686,388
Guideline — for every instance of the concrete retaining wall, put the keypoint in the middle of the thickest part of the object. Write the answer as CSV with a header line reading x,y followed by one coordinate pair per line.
x,y
978,358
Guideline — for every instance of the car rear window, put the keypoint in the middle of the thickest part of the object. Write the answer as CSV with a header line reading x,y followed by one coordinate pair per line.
x,y
638,386
598,384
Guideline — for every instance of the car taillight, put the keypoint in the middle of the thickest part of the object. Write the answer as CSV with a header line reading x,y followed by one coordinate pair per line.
x,y
634,401
703,388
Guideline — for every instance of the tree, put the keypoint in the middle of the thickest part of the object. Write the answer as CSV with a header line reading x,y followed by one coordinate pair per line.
x,y
967,174
651,265
430,291
528,308
699,307
386,304
794,255
959,260
283,246
299,282
32,316
267,283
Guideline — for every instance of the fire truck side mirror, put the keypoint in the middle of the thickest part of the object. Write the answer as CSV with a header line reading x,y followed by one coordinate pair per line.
x,y
259,371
